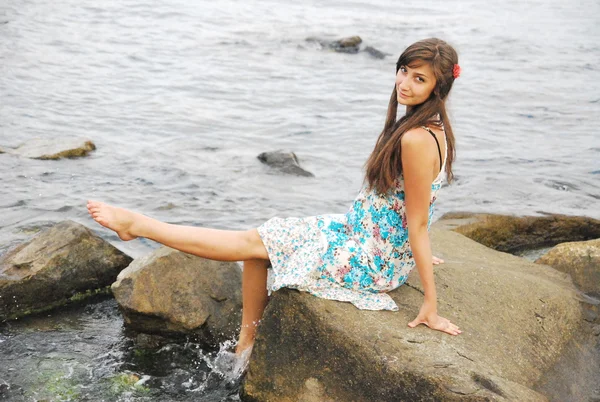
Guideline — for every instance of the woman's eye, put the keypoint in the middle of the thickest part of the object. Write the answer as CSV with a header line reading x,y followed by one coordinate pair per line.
x,y
420,79
403,69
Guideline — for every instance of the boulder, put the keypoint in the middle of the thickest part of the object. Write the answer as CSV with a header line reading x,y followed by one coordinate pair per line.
x,y
172,293
513,234
516,316
55,148
284,161
581,260
56,265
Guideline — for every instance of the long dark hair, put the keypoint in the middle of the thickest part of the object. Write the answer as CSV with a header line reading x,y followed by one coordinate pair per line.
x,y
384,165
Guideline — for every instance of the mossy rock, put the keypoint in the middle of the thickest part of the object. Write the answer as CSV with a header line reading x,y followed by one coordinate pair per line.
x,y
66,262
514,234
55,148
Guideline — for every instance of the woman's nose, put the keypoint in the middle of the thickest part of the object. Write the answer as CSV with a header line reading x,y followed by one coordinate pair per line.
x,y
403,85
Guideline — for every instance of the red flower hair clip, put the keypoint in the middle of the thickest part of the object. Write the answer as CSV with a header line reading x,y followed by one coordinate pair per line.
x,y
456,71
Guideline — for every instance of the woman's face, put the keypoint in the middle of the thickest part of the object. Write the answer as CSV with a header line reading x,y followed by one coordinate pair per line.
x,y
414,85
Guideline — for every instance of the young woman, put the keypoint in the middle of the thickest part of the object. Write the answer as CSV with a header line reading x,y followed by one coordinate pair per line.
x,y
358,256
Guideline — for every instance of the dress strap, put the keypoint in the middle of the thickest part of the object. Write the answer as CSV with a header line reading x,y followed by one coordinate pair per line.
x,y
438,145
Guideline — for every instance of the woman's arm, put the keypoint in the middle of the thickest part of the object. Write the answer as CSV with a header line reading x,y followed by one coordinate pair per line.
x,y
418,160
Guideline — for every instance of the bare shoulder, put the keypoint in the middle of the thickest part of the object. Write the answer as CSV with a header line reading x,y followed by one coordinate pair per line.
x,y
416,140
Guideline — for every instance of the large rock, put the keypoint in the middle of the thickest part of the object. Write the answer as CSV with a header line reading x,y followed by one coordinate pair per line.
x,y
284,161
169,292
581,260
513,233
516,316
53,267
54,148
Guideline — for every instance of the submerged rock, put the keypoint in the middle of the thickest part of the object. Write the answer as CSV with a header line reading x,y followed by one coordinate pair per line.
x,y
169,292
55,148
375,53
516,318
581,260
350,44
56,265
513,233
285,161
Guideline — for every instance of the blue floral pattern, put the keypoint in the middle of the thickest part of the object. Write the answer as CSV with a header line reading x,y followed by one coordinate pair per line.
x,y
355,257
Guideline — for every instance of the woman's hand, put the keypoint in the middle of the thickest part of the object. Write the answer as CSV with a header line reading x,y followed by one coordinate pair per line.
x,y
428,316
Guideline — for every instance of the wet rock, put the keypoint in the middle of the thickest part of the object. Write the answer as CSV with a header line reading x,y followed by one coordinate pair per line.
x,y
172,293
350,44
581,260
590,315
54,148
345,45
513,234
516,316
375,53
284,161
58,264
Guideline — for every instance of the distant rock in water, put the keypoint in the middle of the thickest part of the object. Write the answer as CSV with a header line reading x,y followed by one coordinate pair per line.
x,y
285,161
54,148
56,265
169,292
375,53
350,44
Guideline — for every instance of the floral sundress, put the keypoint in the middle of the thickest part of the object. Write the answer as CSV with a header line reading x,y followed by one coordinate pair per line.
x,y
354,257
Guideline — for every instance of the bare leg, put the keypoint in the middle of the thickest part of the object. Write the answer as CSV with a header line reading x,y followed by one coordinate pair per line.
x,y
255,299
221,245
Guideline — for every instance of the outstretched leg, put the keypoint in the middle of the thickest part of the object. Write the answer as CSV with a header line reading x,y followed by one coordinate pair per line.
x,y
221,245
255,299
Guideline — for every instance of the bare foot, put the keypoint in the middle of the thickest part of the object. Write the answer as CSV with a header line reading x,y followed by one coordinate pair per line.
x,y
437,261
118,219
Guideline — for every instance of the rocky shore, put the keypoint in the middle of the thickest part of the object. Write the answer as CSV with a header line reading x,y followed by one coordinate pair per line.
x,y
530,328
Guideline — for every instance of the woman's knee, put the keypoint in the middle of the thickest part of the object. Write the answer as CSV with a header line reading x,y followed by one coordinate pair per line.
x,y
256,245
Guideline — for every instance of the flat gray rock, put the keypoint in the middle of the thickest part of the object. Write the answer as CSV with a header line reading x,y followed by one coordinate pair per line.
x,y
54,148
284,161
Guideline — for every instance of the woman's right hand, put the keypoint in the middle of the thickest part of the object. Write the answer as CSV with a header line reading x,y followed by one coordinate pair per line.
x,y
434,321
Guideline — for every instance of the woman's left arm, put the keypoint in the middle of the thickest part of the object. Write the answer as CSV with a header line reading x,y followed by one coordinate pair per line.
x,y
418,158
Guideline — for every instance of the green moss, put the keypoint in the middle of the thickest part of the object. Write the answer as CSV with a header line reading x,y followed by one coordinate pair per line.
x,y
76,298
126,382
72,153
60,388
